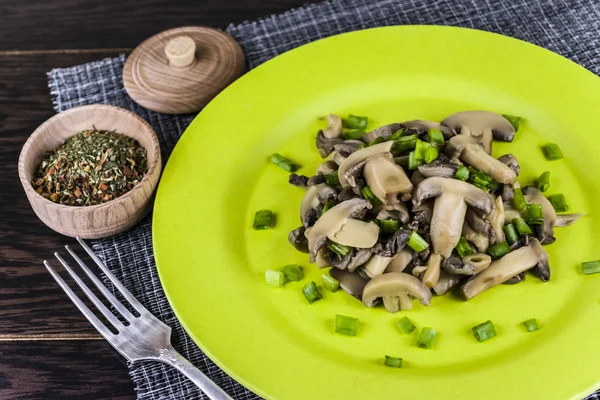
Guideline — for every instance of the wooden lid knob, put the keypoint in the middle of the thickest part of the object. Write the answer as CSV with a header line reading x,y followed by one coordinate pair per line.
x,y
180,70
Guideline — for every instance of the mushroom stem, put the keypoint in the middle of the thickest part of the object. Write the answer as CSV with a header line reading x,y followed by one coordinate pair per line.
x,y
476,262
480,241
375,266
400,261
432,275
395,284
563,220
446,223
445,283
405,301
496,218
386,179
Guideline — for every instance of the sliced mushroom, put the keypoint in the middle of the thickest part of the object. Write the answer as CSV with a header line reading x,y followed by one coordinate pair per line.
x,y
351,282
327,167
355,233
496,218
422,216
400,215
402,161
345,194
384,132
315,180
438,168
321,259
454,265
391,287
298,240
510,212
335,128
375,266
508,192
348,147
325,145
417,177
506,267
352,166
386,179
480,224
469,152
515,279
480,241
432,275
336,157
446,282
481,125
449,209
393,244
334,220
563,220
476,262
400,261
511,162
327,258
421,127
360,257
545,231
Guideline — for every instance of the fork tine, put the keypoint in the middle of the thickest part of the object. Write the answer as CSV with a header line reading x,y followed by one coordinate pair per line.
x,y
100,327
113,300
132,300
101,307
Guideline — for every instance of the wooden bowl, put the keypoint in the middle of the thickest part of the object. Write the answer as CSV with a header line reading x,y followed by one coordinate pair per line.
x,y
104,219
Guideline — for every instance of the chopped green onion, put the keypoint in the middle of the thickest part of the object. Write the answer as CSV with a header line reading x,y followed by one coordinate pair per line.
x,y
404,143
398,134
494,186
479,176
311,292
534,214
559,202
264,219
355,134
431,154
333,178
406,325
355,122
484,331
499,250
463,247
477,183
368,195
416,242
330,283
293,272
284,163
388,225
590,267
338,249
514,121
426,338
346,325
393,362
552,152
377,140
522,226
328,204
413,162
519,200
543,182
531,325
275,278
436,137
420,149
511,234
462,173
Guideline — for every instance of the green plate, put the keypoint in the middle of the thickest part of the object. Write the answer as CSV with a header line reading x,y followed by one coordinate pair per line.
x,y
211,263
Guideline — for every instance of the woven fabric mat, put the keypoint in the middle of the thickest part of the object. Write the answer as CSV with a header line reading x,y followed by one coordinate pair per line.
x,y
568,27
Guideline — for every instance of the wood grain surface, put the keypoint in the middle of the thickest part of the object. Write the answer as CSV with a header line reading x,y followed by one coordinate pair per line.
x,y
48,350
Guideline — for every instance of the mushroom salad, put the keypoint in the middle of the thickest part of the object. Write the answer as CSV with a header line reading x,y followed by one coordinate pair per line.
x,y
417,207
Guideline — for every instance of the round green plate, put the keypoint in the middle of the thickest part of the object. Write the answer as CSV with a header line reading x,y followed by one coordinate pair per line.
x,y
212,264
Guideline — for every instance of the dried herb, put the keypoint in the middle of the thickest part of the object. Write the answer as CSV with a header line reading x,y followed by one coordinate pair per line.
x,y
90,168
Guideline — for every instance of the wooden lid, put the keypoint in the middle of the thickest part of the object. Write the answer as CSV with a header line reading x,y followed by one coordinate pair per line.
x,y
180,70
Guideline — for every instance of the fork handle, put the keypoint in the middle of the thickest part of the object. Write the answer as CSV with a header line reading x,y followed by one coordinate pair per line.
x,y
173,358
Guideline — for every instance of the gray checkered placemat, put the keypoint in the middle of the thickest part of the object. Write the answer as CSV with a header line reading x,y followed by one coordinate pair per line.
x,y
568,27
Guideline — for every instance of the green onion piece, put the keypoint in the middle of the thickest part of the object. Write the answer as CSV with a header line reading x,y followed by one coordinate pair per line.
x,y
346,325
338,249
388,225
590,267
534,214
463,247
522,226
462,173
531,325
406,325
514,121
355,122
416,242
559,202
355,134
284,163
393,362
519,200
264,219
436,137
368,195
484,331
426,338
275,278
552,152
543,182
375,141
398,134
511,234
494,186
431,154
420,149
311,292
404,143
330,283
413,162
499,250
293,272
332,179
482,177
328,204
481,185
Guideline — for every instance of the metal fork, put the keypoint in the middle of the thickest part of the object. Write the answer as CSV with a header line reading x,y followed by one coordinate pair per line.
x,y
144,337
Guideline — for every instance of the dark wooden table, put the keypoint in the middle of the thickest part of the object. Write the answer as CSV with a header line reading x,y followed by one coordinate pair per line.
x,y
48,350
